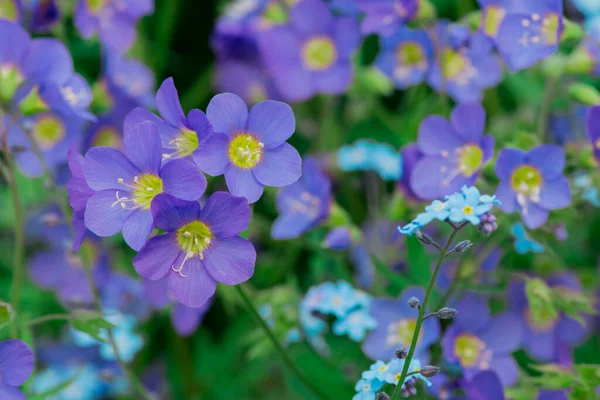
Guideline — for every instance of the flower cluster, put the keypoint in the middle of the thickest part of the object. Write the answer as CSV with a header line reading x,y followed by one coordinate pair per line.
x,y
381,373
466,206
367,156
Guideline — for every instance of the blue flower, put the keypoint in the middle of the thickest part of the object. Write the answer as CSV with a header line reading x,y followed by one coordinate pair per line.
x,y
363,155
378,370
395,371
355,325
366,389
355,157
523,243
87,385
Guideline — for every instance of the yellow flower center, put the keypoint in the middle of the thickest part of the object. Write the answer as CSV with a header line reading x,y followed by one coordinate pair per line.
x,y
401,332
193,239
107,136
96,5
245,151
550,24
468,210
10,77
453,63
526,180
541,318
470,158
9,10
410,53
492,18
597,143
183,145
319,53
143,190
47,131
468,349
383,368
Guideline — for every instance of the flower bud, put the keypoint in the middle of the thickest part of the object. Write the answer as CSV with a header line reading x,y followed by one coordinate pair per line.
x,y
447,313
382,396
413,302
423,237
488,223
429,371
584,93
463,246
339,238
401,353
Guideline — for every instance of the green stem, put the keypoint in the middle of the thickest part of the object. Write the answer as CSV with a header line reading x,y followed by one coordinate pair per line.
x,y
542,127
282,353
48,318
422,309
199,91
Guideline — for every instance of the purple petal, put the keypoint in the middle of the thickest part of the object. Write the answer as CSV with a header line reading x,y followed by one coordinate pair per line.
x,y
137,228
14,42
171,213
534,217
242,183
11,393
549,159
143,147
571,331
510,339
290,226
155,259
507,196
272,121
426,179
102,216
311,17
347,37
157,292
139,115
485,386
104,166
540,344
279,167
227,113
79,191
167,102
46,269
212,154
468,120
183,179
225,214
334,80
473,313
119,33
436,136
200,123
508,160
185,320
196,288
506,368
555,194
293,82
16,362
230,260
48,60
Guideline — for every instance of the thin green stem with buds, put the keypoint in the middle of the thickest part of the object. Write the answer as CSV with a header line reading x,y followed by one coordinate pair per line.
x,y
420,318
280,350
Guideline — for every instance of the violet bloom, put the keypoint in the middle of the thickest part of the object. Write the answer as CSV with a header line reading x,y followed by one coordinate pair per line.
x,y
127,183
128,82
406,57
552,395
304,204
313,53
16,364
454,152
478,341
545,337
592,128
250,148
185,320
79,194
465,65
396,323
411,154
11,10
180,135
386,17
14,44
201,246
483,386
125,294
113,21
532,182
524,32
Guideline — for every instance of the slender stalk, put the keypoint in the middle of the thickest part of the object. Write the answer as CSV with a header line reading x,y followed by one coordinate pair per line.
x,y
17,280
420,318
282,353
48,318
542,124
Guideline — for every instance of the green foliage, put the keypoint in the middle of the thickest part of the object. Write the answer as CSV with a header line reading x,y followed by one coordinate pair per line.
x,y
582,380
91,323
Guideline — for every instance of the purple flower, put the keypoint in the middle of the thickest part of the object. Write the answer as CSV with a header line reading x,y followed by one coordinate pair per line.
x,y
478,341
532,183
113,21
16,364
339,238
11,10
528,31
125,294
465,67
454,152
250,148
106,131
304,204
552,395
313,53
410,157
79,194
126,184
43,14
53,133
185,320
406,57
395,327
386,17
200,247
483,386
129,82
546,337
592,128
14,44
180,135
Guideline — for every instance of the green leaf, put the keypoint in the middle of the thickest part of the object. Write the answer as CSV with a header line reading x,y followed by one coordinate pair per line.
x,y
588,373
91,323
7,314
56,389
419,262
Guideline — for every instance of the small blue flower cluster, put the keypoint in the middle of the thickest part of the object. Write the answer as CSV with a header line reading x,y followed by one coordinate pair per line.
x,y
380,373
523,243
364,155
266,313
467,206
349,305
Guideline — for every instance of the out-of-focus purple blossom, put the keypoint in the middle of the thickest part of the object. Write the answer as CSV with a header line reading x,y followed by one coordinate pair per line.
x,y
544,335
463,71
406,57
304,204
125,294
478,341
411,154
386,17
454,152
479,268
129,82
593,130
395,327
532,183
488,223
339,238
312,54
363,265
112,21
16,364
483,386
552,395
